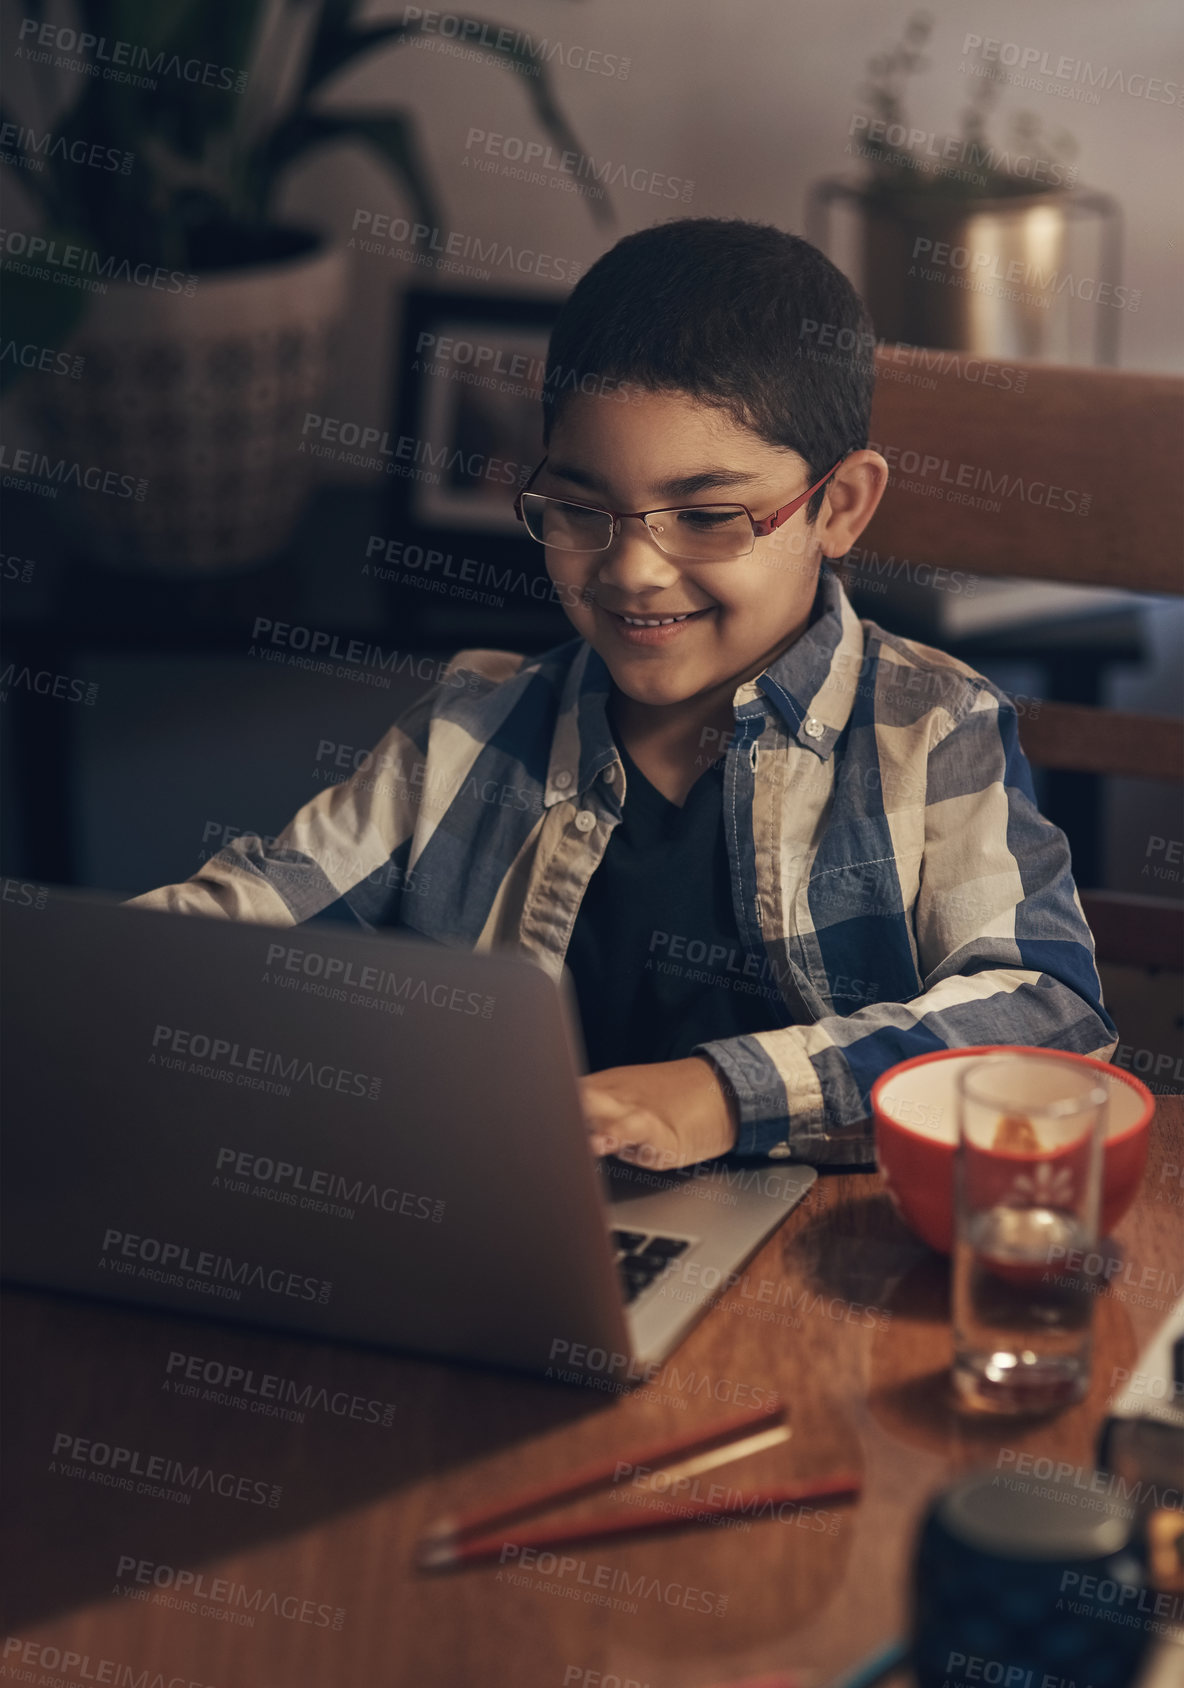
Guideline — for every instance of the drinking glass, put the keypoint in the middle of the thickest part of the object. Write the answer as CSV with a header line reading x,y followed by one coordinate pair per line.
x,y
1027,1179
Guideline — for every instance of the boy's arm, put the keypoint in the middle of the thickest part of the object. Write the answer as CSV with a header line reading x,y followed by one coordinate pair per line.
x,y
1003,951
349,844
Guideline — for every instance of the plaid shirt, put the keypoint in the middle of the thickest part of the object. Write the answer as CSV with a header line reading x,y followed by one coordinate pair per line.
x,y
887,857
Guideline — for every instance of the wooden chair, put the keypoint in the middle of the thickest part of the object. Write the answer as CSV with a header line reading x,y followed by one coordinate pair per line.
x,y
1116,439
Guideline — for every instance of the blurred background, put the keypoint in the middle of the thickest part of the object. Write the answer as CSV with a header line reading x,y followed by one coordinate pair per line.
x,y
278,279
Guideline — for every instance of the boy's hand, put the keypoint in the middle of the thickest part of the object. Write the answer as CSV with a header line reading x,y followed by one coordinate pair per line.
x,y
666,1114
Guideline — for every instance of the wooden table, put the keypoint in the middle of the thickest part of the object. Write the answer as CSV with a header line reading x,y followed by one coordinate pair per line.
x,y
842,1314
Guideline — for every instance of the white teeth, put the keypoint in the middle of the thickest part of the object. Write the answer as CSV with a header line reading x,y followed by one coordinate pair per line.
x,y
654,621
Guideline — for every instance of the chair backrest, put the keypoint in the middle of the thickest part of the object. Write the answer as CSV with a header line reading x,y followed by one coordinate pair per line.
x,y
1040,472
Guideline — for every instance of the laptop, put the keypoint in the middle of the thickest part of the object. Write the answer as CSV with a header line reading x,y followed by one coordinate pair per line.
x,y
365,1137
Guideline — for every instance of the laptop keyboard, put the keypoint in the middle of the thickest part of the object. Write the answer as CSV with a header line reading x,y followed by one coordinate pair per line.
x,y
642,1257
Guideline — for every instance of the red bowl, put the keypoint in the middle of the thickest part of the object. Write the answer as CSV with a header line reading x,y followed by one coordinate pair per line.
x,y
915,1109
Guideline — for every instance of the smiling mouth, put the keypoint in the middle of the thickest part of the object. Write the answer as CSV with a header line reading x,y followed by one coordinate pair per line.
x,y
655,620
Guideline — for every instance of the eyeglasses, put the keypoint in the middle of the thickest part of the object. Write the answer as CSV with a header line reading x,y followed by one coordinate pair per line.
x,y
703,533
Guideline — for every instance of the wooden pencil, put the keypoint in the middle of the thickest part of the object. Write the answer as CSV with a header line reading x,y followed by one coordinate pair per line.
x,y
446,1554
602,1474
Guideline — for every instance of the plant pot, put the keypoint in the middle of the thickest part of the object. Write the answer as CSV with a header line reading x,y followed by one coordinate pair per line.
x,y
203,397
993,289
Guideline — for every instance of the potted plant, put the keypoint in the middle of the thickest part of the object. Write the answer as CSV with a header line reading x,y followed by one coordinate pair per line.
x,y
963,242
204,323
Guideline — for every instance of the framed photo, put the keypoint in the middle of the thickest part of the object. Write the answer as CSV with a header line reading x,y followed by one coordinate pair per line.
x,y
468,421
471,377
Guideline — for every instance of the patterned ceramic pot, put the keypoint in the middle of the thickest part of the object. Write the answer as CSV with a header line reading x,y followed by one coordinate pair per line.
x,y
200,393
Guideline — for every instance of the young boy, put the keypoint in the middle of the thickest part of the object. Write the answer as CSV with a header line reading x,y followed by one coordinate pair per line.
x,y
779,848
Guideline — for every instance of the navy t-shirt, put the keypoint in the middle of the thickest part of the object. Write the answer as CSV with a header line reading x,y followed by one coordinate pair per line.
x,y
655,955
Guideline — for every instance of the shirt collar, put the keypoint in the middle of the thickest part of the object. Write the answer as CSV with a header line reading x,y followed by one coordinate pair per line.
x,y
583,746
812,686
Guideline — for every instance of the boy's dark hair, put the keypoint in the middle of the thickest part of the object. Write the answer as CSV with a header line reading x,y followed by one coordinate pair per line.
x,y
737,314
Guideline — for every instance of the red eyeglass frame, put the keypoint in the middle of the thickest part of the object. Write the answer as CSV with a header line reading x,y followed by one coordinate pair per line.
x,y
760,529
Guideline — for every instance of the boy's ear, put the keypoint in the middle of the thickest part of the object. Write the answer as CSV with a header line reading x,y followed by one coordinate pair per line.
x,y
852,495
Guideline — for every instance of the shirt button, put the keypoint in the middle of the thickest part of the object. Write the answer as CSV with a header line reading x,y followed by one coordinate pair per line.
x,y
780,1151
563,779
585,820
814,727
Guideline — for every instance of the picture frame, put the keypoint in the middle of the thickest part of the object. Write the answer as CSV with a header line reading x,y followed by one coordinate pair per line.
x,y
468,426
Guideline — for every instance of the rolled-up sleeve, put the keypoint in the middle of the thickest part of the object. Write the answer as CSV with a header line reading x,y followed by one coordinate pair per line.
x,y
1003,955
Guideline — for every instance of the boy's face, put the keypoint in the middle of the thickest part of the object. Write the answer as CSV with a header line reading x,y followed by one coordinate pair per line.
x,y
744,611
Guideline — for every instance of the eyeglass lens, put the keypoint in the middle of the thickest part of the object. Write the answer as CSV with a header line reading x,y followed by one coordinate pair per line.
x,y
704,532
